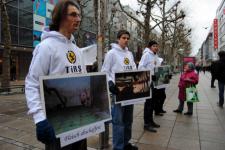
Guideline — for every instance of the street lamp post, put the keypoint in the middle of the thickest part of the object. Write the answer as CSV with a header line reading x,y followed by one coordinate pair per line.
x,y
180,52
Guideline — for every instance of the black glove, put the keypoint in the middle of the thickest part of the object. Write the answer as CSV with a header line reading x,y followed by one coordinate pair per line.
x,y
153,78
112,88
45,132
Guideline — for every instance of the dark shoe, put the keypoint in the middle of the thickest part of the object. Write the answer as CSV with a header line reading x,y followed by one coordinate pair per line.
x,y
158,114
177,111
213,87
221,106
188,113
162,111
154,125
130,147
149,128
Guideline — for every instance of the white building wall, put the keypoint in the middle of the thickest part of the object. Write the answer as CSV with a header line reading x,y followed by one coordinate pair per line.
x,y
221,26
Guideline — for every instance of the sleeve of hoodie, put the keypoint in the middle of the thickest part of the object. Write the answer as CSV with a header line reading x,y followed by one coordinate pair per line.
x,y
107,66
39,66
133,62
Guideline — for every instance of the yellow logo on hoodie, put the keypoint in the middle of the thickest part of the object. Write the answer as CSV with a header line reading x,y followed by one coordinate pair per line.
x,y
126,61
71,57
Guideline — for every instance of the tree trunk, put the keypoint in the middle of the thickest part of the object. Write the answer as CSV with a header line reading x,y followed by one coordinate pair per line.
x,y
174,42
7,47
147,22
163,32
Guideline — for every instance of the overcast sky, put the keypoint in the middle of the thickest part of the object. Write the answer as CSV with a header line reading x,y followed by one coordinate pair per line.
x,y
199,15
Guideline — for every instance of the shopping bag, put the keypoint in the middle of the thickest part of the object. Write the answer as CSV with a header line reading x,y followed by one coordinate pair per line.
x,y
192,94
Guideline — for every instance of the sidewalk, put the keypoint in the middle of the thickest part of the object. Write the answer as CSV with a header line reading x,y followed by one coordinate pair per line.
x,y
205,130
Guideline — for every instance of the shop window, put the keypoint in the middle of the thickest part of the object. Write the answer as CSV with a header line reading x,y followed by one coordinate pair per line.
x,y
26,5
14,34
25,19
13,15
13,3
25,37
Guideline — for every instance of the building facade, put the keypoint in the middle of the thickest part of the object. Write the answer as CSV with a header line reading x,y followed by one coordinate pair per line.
x,y
221,26
27,19
215,40
20,14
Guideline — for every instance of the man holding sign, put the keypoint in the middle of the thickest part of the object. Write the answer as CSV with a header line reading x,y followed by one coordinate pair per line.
x,y
150,60
55,55
120,59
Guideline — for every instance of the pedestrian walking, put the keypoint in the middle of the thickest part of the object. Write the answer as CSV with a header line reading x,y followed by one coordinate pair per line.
x,y
220,76
187,79
120,59
212,70
55,55
150,60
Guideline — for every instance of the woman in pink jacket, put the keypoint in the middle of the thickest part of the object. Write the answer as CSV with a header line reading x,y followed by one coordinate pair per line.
x,y
188,78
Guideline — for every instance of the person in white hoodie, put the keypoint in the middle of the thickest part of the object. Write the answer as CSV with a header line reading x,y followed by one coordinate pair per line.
x,y
120,59
55,55
150,60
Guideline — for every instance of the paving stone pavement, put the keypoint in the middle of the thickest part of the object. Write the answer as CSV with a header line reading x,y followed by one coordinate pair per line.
x,y
205,130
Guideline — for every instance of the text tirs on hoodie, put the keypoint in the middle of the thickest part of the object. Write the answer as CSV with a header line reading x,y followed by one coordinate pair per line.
x,y
118,60
55,55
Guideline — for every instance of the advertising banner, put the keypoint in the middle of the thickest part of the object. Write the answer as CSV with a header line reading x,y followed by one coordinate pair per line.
x,y
38,23
36,37
215,33
189,59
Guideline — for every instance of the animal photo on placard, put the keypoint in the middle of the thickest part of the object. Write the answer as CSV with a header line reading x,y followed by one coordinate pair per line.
x,y
73,102
162,76
132,85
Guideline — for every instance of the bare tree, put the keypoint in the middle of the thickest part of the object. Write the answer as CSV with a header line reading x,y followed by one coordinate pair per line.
x,y
145,9
5,82
83,4
167,17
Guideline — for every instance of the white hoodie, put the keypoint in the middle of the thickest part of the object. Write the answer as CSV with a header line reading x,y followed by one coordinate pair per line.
x,y
55,55
149,60
118,60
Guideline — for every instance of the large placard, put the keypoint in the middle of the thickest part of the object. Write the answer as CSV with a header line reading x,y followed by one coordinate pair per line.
x,y
162,76
133,86
76,105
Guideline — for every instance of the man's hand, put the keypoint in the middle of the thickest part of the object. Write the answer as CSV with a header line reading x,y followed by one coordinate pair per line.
x,y
112,88
45,132
153,78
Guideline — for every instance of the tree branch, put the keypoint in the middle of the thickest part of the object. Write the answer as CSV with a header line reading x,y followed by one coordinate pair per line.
x,y
135,19
143,3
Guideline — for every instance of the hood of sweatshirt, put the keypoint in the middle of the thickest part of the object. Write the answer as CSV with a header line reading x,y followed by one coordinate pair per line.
x,y
54,34
117,47
147,50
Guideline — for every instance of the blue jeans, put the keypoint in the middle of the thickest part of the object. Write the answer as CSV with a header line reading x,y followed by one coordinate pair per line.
x,y
221,93
122,118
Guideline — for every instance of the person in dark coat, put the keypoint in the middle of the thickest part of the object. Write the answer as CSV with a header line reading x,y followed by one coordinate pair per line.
x,y
220,76
212,70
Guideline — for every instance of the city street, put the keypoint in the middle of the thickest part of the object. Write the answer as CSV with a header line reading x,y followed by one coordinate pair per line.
x,y
205,130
